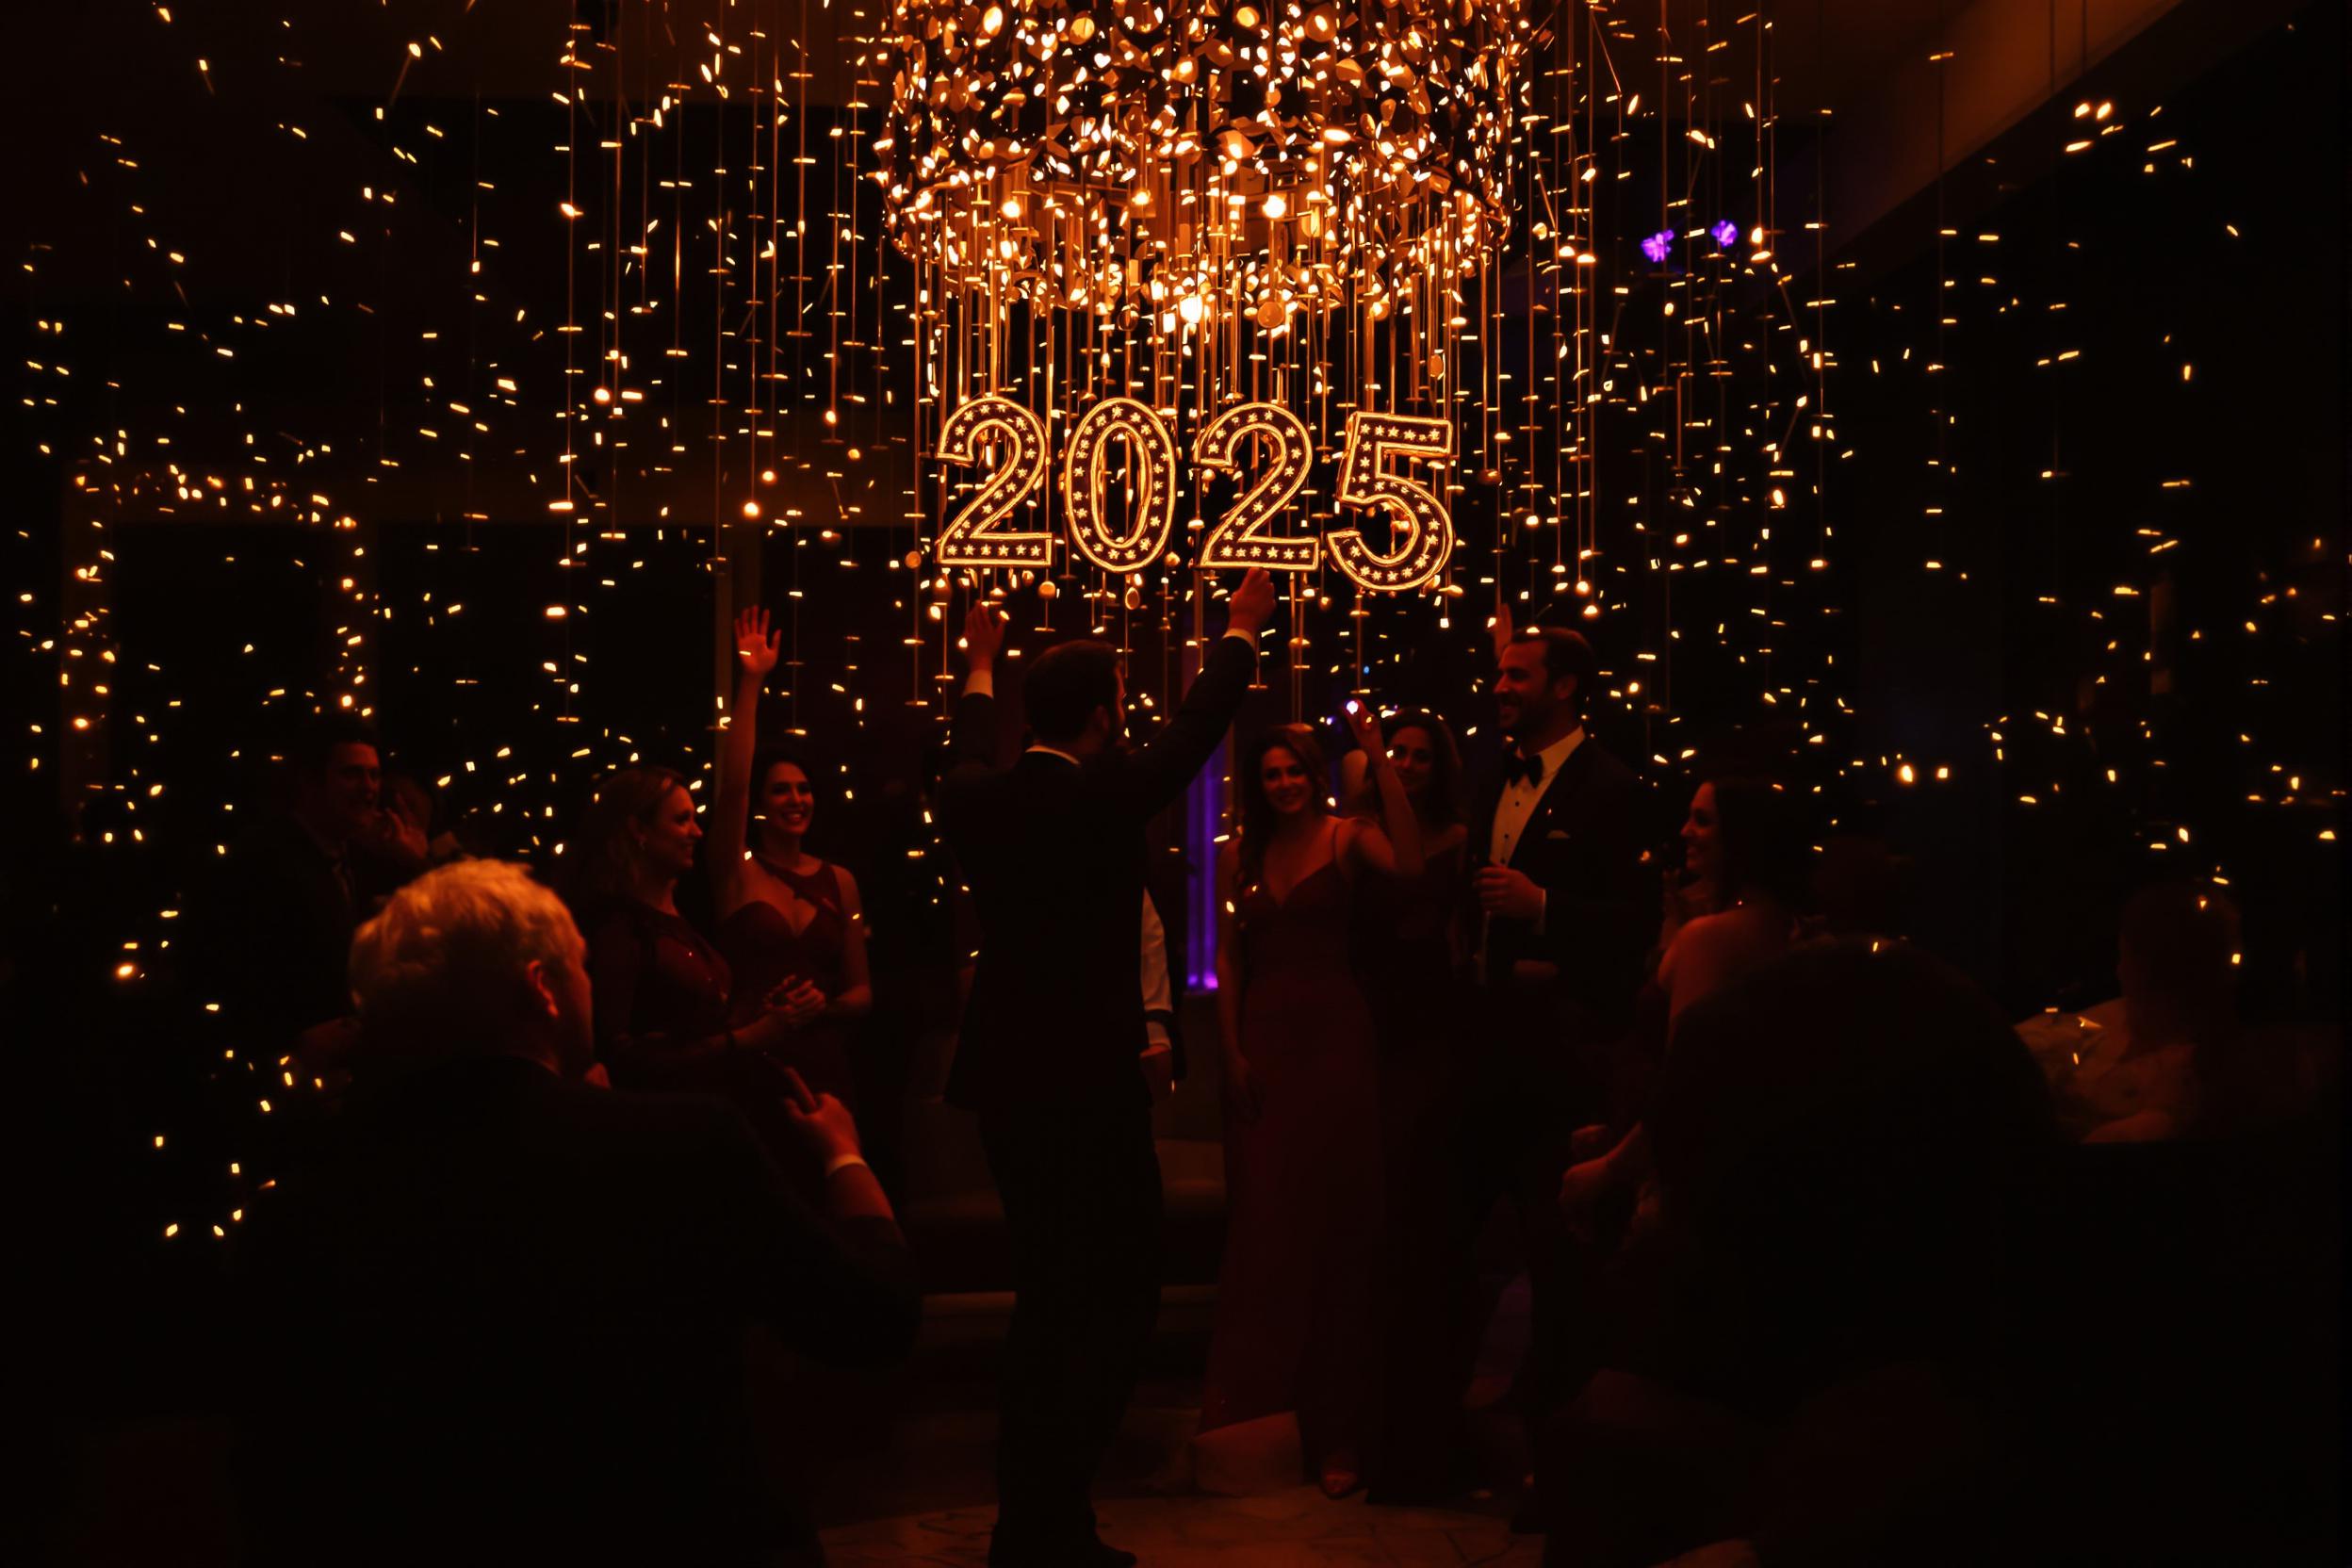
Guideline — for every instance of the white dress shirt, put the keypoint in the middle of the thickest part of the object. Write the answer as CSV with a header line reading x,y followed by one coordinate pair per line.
x,y
1158,995
1520,796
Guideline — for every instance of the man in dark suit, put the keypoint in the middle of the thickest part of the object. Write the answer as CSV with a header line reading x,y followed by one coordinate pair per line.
x,y
501,1316
1559,941
277,931
1053,848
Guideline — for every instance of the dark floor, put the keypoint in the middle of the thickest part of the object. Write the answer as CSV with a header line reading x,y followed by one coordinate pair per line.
x,y
905,1472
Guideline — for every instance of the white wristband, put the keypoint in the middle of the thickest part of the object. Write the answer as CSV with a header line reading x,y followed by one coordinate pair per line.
x,y
843,1162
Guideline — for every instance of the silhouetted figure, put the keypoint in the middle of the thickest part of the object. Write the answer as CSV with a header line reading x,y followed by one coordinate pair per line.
x,y
1850,1145
1410,949
1053,848
501,1316
1744,852
272,940
2171,1057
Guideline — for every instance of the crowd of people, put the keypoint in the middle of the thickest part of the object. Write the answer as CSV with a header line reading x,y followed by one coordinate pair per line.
x,y
1783,1189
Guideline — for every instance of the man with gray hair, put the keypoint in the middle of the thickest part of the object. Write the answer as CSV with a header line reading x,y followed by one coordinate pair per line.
x,y
502,1316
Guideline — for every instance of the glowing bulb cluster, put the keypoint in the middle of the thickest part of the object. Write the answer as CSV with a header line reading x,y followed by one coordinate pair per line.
x,y
1264,160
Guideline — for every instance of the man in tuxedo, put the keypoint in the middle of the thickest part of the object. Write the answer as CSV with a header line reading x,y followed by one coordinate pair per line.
x,y
1053,848
501,1316
1559,940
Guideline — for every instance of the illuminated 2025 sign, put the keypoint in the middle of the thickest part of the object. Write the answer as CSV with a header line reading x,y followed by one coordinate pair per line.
x,y
1421,531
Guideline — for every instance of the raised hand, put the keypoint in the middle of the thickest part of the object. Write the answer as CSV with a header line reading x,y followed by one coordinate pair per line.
x,y
984,634
754,644
1502,627
1365,724
1252,604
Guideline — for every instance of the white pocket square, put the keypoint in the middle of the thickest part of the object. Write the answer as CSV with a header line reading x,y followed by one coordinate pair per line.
x,y
1556,834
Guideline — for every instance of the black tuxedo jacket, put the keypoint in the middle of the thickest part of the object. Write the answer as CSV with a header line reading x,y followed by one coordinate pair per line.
x,y
500,1317
275,941
1053,854
1581,845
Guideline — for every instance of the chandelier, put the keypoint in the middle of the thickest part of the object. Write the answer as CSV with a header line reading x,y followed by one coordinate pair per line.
x,y
1171,163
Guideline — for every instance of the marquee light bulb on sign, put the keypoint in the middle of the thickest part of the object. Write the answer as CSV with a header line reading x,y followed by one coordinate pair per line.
x,y
1221,230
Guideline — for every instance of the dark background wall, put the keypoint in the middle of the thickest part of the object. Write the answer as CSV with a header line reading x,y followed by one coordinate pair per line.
x,y
2141,571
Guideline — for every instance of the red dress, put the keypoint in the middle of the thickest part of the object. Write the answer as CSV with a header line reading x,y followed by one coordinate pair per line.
x,y
1294,1326
1407,941
763,948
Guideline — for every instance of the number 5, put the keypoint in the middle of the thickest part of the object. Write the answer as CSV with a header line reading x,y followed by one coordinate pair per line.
x,y
1421,532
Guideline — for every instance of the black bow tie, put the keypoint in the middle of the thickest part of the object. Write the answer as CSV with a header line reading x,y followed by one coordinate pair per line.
x,y
1523,770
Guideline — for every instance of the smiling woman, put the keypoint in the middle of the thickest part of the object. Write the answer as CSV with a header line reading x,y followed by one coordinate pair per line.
x,y
1296,1308
790,924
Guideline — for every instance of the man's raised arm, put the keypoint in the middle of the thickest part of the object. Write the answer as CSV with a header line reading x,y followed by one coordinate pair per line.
x,y
972,738
1164,768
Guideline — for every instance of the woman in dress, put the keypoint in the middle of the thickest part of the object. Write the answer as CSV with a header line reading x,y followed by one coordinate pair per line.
x,y
662,993
1743,842
783,914
1294,1326
1408,950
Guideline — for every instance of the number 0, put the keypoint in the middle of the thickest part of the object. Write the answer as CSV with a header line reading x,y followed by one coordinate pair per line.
x,y
1150,480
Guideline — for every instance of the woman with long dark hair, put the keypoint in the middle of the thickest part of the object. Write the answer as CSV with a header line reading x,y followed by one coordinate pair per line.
x,y
1295,1328
1410,940
783,914
663,992
1743,842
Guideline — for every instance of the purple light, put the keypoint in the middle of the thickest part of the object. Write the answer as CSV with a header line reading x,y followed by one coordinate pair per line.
x,y
1203,803
1726,234
1658,244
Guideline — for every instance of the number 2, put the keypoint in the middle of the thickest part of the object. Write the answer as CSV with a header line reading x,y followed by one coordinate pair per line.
x,y
973,538
1238,539
1422,533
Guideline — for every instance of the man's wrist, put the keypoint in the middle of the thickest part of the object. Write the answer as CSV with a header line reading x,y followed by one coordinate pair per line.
x,y
980,681
1247,633
843,1162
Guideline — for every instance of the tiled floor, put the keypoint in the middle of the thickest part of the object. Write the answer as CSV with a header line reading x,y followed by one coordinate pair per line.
x,y
1299,1527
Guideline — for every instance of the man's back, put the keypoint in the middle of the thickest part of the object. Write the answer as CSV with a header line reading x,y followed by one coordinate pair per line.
x,y
506,1312
1053,850
1049,856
